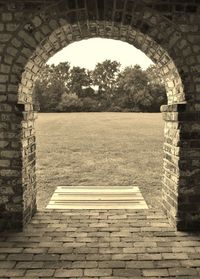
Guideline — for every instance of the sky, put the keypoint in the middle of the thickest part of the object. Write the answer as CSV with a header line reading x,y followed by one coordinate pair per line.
x,y
87,53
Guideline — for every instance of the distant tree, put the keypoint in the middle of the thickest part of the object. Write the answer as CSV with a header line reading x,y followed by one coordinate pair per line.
x,y
104,76
62,88
159,97
69,102
79,78
156,88
90,104
154,76
133,90
89,92
51,84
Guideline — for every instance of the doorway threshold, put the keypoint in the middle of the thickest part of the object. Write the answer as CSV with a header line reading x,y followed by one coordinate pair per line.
x,y
97,197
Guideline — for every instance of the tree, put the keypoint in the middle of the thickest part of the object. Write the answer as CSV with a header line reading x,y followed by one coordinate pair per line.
x,y
70,102
159,97
52,83
79,78
90,104
62,88
104,76
133,90
154,76
156,88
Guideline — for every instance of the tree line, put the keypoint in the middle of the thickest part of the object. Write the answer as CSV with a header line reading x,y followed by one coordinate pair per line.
x,y
63,88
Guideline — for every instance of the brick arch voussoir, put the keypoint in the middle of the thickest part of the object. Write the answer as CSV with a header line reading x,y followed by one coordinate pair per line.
x,y
55,43
44,35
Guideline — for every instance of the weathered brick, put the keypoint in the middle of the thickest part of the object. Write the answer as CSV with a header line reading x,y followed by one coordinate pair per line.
x,y
11,272
74,257
10,154
111,264
3,78
133,250
6,16
4,69
10,173
2,26
124,256
175,256
84,264
97,272
4,163
27,38
20,257
40,272
60,273
29,265
37,21
45,257
10,250
128,272
155,272
191,263
182,271
141,264
149,256
7,264
3,87
167,263
35,250
110,250
64,250
5,37
11,27
85,250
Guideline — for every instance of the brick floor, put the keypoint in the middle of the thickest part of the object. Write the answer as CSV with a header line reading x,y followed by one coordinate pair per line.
x,y
98,244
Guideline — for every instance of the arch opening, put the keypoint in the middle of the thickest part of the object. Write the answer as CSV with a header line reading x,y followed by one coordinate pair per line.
x,y
75,178
60,38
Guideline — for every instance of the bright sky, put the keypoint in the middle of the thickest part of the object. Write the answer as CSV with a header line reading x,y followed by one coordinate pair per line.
x,y
87,53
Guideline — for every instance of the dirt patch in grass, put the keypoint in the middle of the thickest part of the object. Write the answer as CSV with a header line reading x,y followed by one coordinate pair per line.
x,y
112,149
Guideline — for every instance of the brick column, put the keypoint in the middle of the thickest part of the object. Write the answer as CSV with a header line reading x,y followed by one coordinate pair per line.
x,y
11,190
29,161
17,166
181,181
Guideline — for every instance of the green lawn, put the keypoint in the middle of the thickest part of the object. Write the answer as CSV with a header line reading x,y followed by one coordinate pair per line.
x,y
99,149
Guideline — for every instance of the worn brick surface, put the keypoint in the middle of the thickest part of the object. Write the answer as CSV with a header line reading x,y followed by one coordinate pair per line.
x,y
130,260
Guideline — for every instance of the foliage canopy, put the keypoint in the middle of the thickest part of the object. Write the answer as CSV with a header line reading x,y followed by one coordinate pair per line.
x,y
106,88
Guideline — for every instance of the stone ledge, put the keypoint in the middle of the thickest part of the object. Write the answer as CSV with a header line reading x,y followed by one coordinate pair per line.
x,y
173,108
181,116
178,113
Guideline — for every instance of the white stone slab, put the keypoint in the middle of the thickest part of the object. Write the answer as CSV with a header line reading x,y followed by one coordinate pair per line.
x,y
97,197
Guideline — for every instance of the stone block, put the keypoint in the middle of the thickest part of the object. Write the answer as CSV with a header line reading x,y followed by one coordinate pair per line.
x,y
10,154
4,163
60,273
3,87
97,272
11,27
5,37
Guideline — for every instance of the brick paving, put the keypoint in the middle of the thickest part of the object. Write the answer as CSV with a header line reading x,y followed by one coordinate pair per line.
x,y
95,244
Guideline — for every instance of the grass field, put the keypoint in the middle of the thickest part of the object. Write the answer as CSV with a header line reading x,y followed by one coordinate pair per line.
x,y
99,149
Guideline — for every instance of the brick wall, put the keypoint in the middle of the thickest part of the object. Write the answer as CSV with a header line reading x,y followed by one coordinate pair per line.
x,y
32,31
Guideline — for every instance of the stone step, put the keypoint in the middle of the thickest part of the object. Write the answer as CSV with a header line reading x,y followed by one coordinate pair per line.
x,y
97,197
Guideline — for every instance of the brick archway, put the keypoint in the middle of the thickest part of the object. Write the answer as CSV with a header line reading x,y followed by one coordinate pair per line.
x,y
33,32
